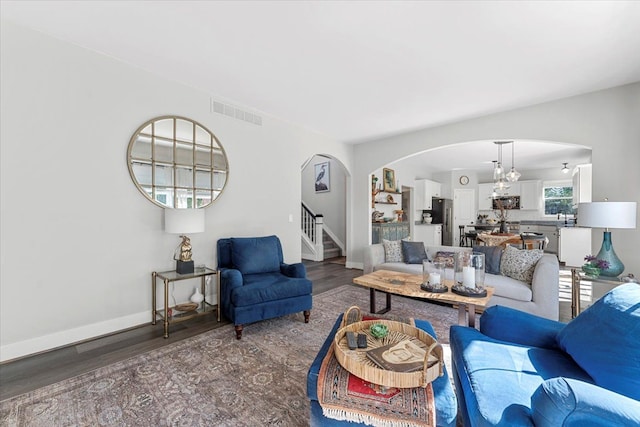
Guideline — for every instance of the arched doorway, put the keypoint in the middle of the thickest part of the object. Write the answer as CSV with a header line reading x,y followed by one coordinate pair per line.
x,y
325,183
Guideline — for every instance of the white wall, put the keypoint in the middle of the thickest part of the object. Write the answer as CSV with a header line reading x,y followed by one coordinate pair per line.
x,y
607,121
331,204
78,241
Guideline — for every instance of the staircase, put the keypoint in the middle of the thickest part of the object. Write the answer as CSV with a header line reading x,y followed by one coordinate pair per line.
x,y
329,248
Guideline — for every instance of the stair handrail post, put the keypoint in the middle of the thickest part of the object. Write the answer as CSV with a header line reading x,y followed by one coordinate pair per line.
x,y
319,224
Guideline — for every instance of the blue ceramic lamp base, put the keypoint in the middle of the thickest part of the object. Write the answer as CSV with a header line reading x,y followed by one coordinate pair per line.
x,y
616,267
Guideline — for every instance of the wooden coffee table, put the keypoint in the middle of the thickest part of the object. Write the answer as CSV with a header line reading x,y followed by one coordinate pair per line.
x,y
408,285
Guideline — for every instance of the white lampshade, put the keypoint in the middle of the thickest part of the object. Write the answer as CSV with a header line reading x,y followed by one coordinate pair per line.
x,y
184,221
607,214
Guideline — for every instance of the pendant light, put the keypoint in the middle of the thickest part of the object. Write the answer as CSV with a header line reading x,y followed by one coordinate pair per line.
x,y
513,174
564,169
499,179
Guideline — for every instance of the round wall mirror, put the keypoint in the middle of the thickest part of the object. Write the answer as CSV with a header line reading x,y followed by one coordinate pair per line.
x,y
177,163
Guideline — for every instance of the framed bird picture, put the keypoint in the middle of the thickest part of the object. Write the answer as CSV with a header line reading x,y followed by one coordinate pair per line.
x,y
322,177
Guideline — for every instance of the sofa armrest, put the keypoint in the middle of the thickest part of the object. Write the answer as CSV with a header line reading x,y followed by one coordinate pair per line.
x,y
568,402
373,256
297,270
507,324
544,286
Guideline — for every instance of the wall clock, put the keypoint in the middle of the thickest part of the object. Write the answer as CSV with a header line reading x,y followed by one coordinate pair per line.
x,y
464,180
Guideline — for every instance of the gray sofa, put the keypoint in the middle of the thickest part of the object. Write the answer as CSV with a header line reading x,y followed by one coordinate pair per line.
x,y
539,298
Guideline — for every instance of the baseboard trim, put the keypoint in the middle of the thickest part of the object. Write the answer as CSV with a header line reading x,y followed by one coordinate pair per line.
x,y
56,340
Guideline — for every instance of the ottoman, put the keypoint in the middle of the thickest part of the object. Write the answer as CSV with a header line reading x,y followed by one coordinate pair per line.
x,y
445,399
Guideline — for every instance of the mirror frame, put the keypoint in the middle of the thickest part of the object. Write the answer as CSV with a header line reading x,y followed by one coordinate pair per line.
x,y
178,167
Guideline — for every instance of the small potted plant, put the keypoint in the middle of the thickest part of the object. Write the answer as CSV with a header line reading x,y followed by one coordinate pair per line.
x,y
594,266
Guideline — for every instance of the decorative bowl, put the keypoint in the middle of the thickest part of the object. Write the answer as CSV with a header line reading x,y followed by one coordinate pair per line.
x,y
378,330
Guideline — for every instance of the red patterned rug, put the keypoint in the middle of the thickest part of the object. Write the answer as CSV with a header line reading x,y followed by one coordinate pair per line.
x,y
346,397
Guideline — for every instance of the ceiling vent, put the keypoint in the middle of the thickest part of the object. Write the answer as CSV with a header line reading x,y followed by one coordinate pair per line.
x,y
231,111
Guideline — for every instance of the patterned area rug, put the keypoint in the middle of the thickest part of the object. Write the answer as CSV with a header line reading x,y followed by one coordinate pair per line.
x,y
211,379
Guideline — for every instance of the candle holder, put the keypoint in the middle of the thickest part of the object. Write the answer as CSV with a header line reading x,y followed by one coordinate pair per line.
x,y
433,277
468,274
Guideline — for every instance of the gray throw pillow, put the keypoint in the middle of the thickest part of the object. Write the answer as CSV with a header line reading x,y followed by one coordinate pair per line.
x,y
519,264
413,252
492,256
392,250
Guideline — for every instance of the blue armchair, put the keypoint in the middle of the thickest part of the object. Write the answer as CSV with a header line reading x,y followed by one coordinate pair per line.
x,y
255,283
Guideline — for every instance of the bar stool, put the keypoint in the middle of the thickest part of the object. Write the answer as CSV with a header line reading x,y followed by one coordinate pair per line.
x,y
533,240
462,236
471,237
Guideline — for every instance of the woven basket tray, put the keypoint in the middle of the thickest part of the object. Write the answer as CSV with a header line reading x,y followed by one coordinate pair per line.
x,y
358,364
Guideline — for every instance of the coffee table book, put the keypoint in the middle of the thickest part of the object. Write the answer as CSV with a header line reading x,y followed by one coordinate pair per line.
x,y
376,355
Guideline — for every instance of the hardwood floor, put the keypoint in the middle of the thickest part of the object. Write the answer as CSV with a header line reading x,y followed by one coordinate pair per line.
x,y
37,371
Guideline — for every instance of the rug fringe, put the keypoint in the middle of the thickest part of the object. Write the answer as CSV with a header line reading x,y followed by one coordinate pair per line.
x,y
355,417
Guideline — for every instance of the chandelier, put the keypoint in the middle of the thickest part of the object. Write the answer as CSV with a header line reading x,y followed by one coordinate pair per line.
x,y
501,179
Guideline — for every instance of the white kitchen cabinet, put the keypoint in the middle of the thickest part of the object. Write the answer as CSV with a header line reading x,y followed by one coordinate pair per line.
x,y
430,234
574,244
484,197
582,184
530,195
425,190
513,190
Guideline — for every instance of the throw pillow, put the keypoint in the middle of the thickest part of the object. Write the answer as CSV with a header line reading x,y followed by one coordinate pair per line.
x,y
446,257
603,340
413,252
492,257
392,250
519,264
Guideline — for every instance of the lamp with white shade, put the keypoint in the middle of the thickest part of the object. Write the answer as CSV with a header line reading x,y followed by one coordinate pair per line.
x,y
183,221
608,215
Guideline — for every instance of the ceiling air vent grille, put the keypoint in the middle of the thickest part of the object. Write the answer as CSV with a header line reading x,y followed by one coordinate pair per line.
x,y
231,111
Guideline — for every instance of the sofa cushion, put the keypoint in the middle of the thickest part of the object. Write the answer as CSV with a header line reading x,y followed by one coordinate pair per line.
x,y
253,255
492,256
261,288
446,257
519,264
392,250
507,287
603,340
498,378
413,252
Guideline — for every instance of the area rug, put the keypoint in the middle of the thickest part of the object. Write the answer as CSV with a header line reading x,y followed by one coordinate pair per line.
x,y
211,379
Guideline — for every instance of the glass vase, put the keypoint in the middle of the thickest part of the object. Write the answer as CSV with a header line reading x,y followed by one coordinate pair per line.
x,y
469,270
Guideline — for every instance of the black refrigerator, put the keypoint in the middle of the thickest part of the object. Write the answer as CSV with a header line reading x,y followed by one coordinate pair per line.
x,y
442,213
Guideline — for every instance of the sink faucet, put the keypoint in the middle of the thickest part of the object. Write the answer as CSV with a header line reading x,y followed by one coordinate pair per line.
x,y
565,217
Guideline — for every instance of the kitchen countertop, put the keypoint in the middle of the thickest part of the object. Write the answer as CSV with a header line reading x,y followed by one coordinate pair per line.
x,y
424,223
549,223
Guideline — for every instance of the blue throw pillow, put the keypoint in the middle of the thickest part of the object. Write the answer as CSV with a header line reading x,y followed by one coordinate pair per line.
x,y
492,256
413,252
604,340
253,255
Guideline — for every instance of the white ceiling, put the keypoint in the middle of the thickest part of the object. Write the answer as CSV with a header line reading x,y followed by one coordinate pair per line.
x,y
361,70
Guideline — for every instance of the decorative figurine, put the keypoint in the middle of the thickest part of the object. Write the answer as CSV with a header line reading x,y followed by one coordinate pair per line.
x,y
185,249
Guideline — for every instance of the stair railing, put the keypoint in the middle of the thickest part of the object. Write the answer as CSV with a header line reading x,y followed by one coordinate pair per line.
x,y
312,228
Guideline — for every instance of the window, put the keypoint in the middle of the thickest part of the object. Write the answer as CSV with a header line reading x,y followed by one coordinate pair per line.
x,y
558,198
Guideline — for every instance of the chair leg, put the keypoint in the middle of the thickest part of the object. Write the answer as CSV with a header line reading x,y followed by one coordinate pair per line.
x,y
307,313
238,331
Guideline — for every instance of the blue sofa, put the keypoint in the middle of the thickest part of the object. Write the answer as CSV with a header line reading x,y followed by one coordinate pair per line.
x,y
255,283
445,399
524,370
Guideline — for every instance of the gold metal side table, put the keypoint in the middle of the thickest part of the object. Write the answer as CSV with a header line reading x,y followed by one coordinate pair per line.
x,y
166,314
577,275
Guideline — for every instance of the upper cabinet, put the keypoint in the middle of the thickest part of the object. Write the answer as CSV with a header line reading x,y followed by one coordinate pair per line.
x,y
582,184
530,195
424,191
484,196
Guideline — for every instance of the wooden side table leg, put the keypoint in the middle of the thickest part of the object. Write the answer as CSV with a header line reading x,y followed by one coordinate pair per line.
x,y
462,314
471,312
